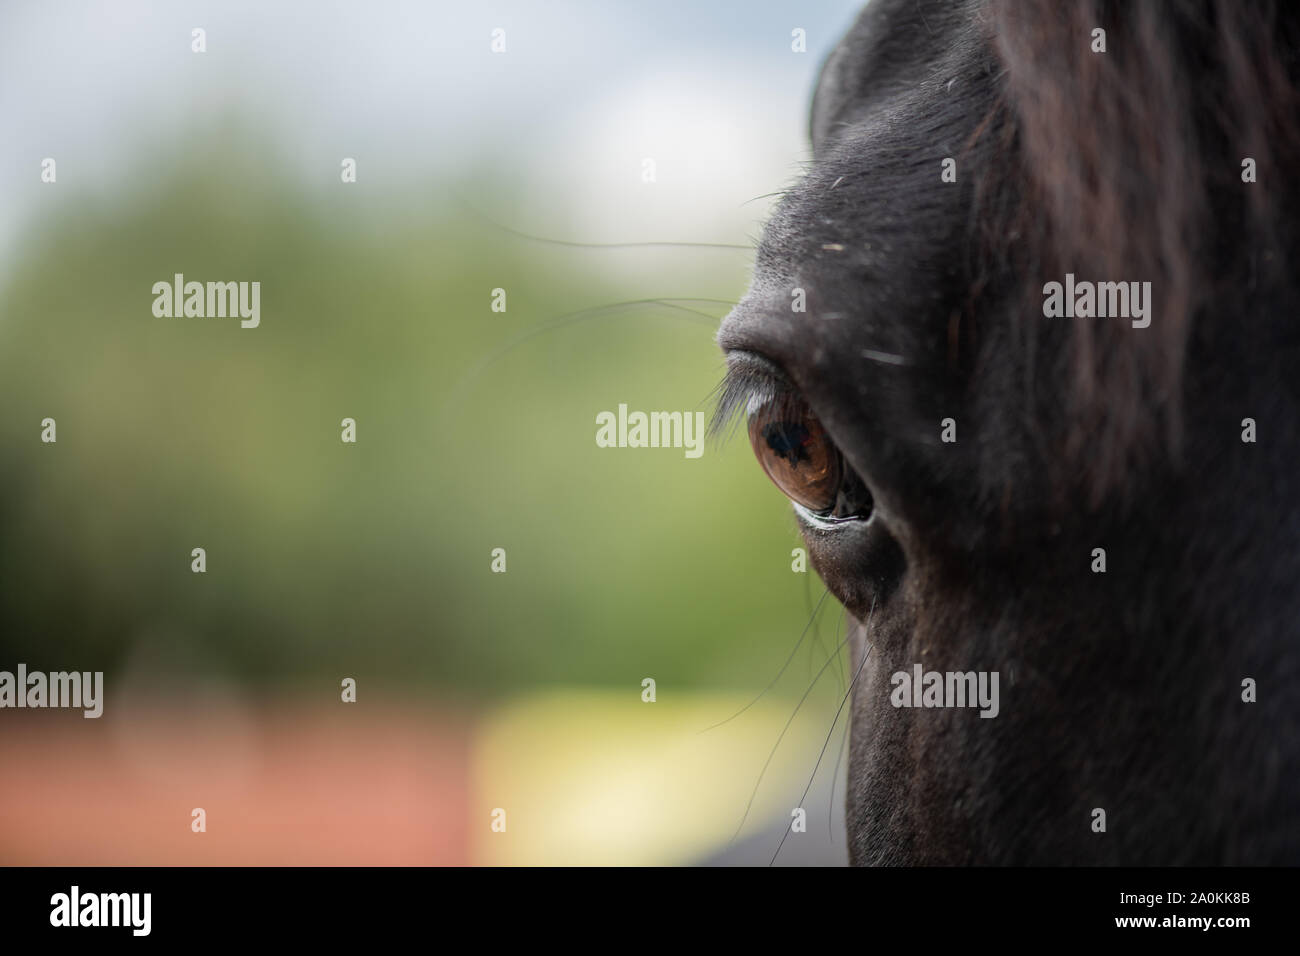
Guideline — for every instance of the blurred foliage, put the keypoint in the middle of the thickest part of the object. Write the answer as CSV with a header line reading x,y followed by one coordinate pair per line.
x,y
372,560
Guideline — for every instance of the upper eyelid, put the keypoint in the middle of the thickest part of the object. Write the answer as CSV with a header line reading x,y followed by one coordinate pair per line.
x,y
758,362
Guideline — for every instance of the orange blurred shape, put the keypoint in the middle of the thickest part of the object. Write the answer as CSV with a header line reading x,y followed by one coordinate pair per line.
x,y
349,784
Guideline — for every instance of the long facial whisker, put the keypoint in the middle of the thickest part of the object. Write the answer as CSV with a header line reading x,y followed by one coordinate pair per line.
x,y
839,710
572,318
784,730
779,192
839,662
839,758
830,803
819,645
802,635
575,244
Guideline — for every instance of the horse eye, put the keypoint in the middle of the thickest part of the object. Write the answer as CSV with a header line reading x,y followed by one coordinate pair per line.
x,y
796,453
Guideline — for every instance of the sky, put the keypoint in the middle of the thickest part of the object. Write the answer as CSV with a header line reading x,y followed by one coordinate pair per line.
x,y
584,93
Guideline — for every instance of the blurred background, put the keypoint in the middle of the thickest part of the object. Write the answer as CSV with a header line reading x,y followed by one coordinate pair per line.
x,y
475,431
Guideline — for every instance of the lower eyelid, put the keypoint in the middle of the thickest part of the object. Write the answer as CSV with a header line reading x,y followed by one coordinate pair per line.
x,y
826,522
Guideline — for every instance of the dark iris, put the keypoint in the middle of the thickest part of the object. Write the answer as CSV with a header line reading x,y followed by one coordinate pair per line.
x,y
796,453
803,462
789,440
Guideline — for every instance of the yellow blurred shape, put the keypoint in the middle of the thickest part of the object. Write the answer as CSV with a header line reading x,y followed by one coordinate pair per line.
x,y
600,778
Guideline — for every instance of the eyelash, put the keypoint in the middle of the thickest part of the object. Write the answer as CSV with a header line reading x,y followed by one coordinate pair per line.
x,y
790,443
744,388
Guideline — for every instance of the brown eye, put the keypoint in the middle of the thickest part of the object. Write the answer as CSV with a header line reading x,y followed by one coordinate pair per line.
x,y
796,453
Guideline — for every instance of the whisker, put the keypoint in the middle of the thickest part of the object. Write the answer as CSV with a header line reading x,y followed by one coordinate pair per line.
x,y
779,192
819,645
838,711
839,660
572,318
807,608
784,730
830,803
802,635
574,244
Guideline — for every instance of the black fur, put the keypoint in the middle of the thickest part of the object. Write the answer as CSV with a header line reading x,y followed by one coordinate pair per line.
x,y
1120,690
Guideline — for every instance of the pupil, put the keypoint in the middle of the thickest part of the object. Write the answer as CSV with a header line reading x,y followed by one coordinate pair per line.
x,y
790,440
